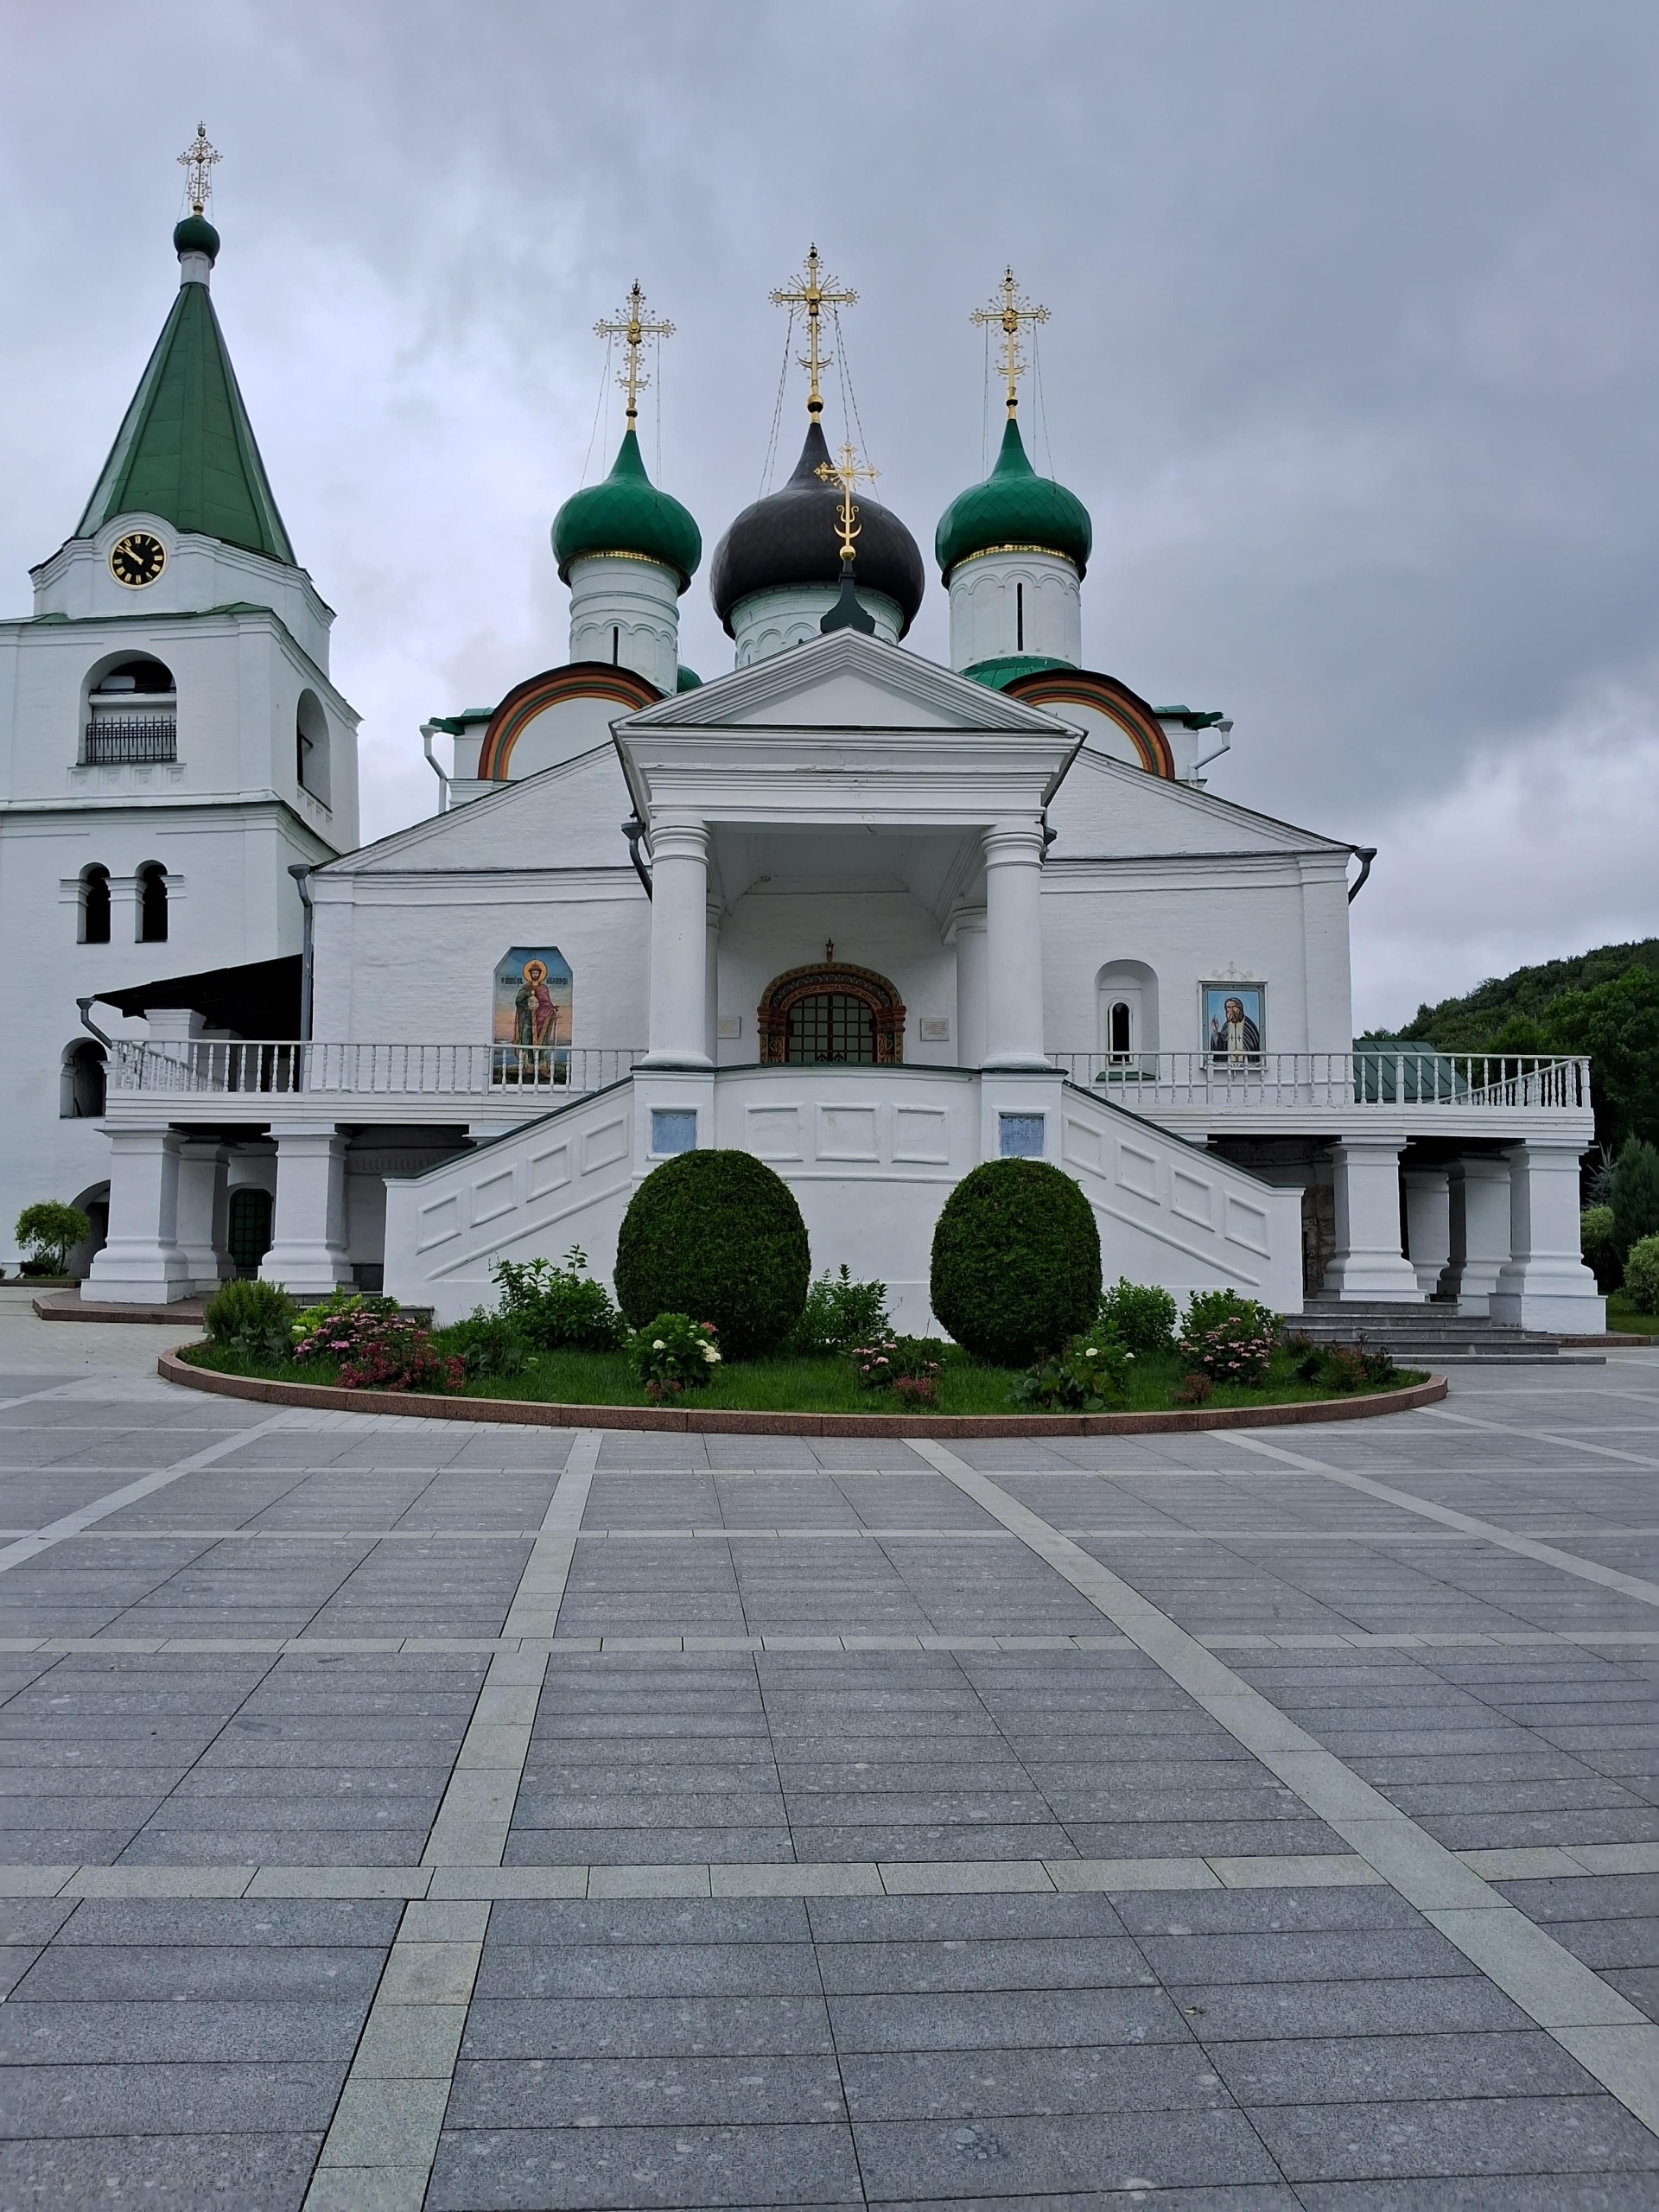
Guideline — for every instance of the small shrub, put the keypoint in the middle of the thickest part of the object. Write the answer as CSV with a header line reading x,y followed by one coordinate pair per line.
x,y
839,1313
1642,1275
380,1350
557,1307
1016,1260
1208,1309
252,1320
329,1315
673,1354
1079,1378
1599,1246
910,1367
1635,1195
1193,1389
46,1231
1236,1350
488,1345
719,1233
1141,1315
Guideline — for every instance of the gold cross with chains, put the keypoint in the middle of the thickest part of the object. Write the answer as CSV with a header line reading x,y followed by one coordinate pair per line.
x,y
813,292
633,329
199,158
848,471
1009,313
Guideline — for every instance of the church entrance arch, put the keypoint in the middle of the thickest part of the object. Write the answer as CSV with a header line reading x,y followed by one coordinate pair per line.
x,y
831,1014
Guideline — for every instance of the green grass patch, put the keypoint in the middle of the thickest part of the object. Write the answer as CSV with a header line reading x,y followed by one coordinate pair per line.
x,y
819,1385
1622,1317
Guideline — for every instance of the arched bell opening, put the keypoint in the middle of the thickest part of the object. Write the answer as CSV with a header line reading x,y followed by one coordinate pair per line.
x,y
831,1014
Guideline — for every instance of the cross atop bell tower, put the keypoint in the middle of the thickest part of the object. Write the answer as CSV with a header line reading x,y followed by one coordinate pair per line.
x,y
1010,312
813,292
199,158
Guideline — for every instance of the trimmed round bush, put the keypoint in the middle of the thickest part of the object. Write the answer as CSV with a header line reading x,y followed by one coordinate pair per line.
x,y
718,1236
1642,1275
1016,1262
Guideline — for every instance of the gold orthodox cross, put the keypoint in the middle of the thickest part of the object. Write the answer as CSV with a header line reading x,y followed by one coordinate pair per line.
x,y
634,329
199,158
847,472
813,292
1009,313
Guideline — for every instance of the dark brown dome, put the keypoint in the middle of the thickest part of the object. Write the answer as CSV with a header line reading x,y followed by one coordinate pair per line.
x,y
791,537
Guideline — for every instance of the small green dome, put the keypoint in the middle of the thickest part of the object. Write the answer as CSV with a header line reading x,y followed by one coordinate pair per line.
x,y
688,679
628,514
195,234
1013,506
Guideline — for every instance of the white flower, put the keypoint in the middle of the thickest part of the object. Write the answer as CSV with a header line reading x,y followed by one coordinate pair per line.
x,y
657,1344
710,1355
1093,1352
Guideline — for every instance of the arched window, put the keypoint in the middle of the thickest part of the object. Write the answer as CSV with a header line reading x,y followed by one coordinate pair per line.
x,y
249,1235
132,715
1117,1019
81,1081
831,1014
94,904
152,904
311,761
1127,994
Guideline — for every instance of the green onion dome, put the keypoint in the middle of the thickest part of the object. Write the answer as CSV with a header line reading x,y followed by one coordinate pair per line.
x,y
195,234
628,514
1017,508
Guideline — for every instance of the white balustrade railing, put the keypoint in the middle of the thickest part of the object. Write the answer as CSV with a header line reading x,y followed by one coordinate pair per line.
x,y
216,1066
1389,1077
1144,1081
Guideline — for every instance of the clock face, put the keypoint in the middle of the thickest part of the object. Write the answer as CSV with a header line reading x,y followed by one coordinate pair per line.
x,y
137,559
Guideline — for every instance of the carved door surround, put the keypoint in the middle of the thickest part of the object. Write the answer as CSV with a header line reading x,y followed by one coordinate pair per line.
x,y
830,979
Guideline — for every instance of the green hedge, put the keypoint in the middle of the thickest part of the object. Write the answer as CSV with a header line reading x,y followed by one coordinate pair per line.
x,y
1016,1262
718,1236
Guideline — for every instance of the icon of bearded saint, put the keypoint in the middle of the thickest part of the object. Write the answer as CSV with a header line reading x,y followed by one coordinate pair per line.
x,y
535,1016
1234,1036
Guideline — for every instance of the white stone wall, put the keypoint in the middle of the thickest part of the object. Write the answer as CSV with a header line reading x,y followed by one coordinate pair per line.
x,y
1007,603
771,622
627,613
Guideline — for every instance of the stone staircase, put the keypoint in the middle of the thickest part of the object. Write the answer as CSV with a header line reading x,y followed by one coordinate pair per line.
x,y
1433,1335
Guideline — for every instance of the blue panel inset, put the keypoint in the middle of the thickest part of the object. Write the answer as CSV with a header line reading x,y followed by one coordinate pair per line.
x,y
1022,1135
673,1128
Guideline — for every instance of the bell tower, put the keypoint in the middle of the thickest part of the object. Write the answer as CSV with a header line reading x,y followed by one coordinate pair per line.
x,y
171,743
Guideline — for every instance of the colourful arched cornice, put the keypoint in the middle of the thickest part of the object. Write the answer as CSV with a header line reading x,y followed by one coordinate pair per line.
x,y
580,679
786,991
1057,687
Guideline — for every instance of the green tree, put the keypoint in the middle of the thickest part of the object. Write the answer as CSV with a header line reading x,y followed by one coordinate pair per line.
x,y
1636,1195
46,1231
1616,1023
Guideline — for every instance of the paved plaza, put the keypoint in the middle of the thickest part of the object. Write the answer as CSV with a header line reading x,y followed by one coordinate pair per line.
x,y
406,1813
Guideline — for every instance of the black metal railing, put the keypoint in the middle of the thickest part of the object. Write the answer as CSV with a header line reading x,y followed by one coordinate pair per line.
x,y
131,737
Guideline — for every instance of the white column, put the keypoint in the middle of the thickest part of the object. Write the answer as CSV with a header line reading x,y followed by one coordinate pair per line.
x,y
1428,1224
308,1251
679,943
1544,1283
971,987
1013,965
1368,1262
204,1211
711,984
1479,1195
140,1263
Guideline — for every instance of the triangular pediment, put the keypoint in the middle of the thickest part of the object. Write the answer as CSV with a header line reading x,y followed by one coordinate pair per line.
x,y
1109,809
844,682
565,816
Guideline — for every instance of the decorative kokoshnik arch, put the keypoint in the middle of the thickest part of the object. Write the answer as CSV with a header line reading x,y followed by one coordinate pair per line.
x,y
830,1012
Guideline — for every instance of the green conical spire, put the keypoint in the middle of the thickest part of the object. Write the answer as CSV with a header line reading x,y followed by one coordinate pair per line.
x,y
186,449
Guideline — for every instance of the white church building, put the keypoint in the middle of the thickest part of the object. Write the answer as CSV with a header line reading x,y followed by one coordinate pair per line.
x,y
871,918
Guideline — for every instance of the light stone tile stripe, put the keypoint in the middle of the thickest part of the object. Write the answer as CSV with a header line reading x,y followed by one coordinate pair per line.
x,y
1542,1435
805,1878
72,1524
379,2152
1587,1570
1602,2031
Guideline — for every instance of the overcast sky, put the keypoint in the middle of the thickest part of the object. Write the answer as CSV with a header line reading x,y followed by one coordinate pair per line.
x,y
1354,357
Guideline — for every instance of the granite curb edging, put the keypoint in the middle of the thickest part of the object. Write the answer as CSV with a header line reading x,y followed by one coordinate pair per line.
x,y
536,1413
